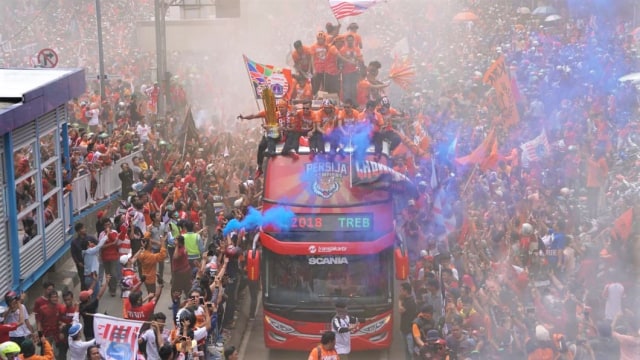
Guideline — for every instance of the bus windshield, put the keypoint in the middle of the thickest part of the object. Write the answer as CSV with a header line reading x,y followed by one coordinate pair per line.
x,y
321,280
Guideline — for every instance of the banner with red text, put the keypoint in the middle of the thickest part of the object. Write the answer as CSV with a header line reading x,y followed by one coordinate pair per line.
x,y
118,338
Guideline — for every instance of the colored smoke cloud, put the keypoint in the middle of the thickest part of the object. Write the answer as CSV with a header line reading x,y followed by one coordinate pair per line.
x,y
279,217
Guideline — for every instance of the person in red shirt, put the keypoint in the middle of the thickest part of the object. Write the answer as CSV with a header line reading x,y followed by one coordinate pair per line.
x,y
137,309
332,68
68,316
110,254
49,316
181,277
47,288
5,329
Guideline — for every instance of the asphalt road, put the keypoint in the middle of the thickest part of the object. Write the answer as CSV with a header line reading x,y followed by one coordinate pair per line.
x,y
253,348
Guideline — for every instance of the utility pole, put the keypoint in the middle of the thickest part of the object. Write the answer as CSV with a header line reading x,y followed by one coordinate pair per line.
x,y
161,57
103,93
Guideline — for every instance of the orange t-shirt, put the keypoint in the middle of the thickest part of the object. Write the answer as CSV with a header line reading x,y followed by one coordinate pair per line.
x,y
301,91
348,119
374,118
324,120
331,61
304,122
362,92
324,354
319,53
353,54
357,39
303,59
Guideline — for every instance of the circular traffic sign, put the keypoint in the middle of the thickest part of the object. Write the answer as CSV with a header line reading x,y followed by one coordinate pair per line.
x,y
47,58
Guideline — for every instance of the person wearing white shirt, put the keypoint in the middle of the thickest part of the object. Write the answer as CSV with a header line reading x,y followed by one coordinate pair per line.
x,y
77,347
151,335
143,130
92,261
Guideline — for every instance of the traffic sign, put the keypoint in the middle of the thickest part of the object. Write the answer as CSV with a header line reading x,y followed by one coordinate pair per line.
x,y
47,58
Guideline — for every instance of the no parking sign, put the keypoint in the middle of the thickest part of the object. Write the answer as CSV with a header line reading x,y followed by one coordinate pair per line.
x,y
47,58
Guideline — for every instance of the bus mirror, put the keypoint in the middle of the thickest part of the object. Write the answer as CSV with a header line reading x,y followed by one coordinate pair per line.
x,y
253,265
402,264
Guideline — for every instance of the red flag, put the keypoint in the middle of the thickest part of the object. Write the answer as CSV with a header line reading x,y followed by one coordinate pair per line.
x,y
482,153
622,226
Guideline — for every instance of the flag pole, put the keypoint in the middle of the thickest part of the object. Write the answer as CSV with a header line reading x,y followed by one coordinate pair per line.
x,y
253,90
186,132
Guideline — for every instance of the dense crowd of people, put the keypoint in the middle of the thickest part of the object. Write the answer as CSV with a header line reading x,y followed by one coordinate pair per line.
x,y
513,257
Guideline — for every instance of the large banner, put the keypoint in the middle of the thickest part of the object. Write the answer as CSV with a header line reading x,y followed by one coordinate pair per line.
x,y
118,338
374,175
498,77
262,76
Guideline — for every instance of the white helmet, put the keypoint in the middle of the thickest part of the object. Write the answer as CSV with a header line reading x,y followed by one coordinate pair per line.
x,y
124,259
527,229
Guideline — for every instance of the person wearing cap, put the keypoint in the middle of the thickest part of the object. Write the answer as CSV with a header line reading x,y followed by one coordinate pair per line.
x,y
343,324
149,261
17,313
327,348
7,327
89,305
78,347
29,350
323,124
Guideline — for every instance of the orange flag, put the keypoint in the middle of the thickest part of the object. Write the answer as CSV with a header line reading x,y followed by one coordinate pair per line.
x,y
622,226
498,76
482,153
491,161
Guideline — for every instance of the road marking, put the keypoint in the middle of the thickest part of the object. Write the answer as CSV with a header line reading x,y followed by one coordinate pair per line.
x,y
247,333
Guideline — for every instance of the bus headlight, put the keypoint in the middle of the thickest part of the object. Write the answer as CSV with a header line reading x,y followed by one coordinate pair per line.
x,y
284,328
375,326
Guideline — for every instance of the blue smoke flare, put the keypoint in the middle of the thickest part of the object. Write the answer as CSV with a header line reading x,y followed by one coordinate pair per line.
x,y
279,217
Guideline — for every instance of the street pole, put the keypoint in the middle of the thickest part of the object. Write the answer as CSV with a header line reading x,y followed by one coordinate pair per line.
x,y
103,94
161,57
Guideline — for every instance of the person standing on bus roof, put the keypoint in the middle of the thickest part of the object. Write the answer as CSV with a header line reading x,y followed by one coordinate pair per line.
x,y
343,324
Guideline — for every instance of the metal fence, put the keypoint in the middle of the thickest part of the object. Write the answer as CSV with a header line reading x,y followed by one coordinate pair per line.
x,y
107,183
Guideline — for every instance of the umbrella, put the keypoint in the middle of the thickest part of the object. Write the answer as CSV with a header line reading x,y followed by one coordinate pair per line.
x,y
552,18
633,77
544,10
523,10
402,72
465,16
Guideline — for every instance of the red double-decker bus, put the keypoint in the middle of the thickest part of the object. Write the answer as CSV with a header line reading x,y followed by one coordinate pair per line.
x,y
340,247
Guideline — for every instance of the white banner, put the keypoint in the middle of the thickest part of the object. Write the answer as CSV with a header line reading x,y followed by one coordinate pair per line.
x,y
118,338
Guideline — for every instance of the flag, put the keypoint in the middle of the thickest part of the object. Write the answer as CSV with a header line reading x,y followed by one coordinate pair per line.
x,y
189,131
344,8
421,137
375,175
118,338
480,155
278,79
434,174
444,217
536,149
623,225
498,76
